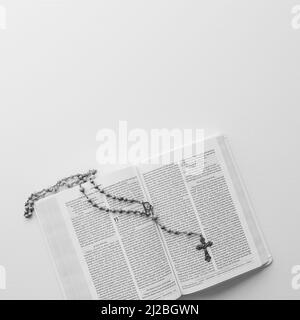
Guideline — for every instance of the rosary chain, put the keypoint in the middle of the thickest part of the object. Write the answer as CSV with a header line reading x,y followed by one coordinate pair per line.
x,y
79,180
148,209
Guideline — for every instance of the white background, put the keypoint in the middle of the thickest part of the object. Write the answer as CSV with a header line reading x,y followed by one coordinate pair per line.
x,y
70,68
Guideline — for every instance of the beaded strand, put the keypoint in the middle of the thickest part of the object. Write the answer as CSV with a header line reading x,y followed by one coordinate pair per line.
x,y
148,209
80,179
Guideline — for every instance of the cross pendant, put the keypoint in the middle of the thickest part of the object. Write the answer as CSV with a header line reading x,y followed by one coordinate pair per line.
x,y
203,246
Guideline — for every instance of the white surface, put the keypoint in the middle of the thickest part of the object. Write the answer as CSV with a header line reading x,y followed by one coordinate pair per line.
x,y
69,68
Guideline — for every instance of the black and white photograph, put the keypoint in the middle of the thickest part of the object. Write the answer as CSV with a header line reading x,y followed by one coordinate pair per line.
x,y
150,151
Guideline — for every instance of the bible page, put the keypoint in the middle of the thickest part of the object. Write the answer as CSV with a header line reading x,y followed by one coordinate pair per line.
x,y
106,256
201,198
140,238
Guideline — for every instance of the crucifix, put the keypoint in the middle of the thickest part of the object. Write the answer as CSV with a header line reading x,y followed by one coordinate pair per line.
x,y
203,246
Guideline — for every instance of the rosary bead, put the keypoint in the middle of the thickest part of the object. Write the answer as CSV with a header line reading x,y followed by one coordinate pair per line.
x,y
26,214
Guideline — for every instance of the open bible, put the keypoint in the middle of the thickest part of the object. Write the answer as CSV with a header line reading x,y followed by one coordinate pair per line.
x,y
99,255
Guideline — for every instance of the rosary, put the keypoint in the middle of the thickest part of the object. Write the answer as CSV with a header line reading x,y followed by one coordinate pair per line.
x,y
148,212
